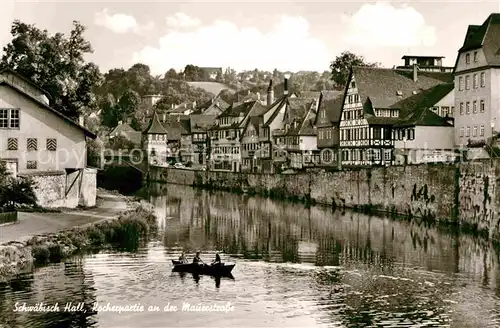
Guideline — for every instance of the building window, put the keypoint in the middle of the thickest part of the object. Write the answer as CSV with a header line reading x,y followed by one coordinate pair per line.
x,y
460,83
461,132
475,81
31,165
445,110
474,131
467,131
353,84
467,58
481,130
31,144
9,118
387,154
12,144
475,56
483,80
481,106
377,133
461,108
467,108
474,106
467,82
51,144
411,134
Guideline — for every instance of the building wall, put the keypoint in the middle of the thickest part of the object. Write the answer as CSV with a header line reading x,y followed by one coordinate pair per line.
x,y
58,189
37,122
429,141
446,105
489,93
308,143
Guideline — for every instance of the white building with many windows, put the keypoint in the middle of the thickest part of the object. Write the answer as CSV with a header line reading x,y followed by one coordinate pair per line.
x,y
477,80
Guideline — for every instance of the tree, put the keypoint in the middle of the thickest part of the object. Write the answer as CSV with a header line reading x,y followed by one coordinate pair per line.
x,y
229,76
341,67
193,73
171,74
120,142
56,63
129,103
110,113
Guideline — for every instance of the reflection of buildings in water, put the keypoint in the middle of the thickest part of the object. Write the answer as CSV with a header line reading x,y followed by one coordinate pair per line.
x,y
307,252
59,283
343,238
160,210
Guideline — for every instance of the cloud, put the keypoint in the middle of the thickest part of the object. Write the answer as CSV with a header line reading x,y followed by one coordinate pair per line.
x,y
182,20
288,46
120,23
383,25
6,19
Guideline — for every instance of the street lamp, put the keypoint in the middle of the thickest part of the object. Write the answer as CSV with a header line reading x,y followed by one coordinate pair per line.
x,y
493,122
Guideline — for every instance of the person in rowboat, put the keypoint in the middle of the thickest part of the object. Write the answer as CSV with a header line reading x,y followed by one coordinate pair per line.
x,y
183,258
217,259
197,259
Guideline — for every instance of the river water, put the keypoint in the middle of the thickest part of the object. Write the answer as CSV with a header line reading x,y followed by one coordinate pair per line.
x,y
295,267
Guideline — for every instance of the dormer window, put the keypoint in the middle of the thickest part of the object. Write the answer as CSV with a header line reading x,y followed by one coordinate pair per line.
x,y
353,84
399,93
475,56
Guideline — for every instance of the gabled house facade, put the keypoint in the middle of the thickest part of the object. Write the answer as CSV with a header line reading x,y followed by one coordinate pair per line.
x,y
299,133
155,139
373,103
214,106
34,135
327,127
250,145
225,138
200,126
123,129
40,142
477,96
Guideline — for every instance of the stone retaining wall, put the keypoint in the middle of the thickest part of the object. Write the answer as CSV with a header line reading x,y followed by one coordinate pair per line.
x,y
464,194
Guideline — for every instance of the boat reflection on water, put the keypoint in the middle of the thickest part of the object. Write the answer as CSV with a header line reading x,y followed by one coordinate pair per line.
x,y
196,278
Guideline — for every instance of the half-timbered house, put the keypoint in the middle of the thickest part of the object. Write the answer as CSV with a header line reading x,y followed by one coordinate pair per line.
x,y
372,105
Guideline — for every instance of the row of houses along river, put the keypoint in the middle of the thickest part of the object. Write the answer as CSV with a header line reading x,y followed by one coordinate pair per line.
x,y
296,266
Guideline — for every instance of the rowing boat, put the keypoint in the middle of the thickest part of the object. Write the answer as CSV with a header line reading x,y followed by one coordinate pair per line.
x,y
221,269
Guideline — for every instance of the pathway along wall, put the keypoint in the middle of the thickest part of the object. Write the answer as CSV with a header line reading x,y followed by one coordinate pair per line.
x,y
465,194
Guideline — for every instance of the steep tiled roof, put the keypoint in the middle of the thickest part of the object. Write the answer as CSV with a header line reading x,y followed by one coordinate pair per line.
x,y
216,102
23,91
308,94
297,108
331,101
200,123
422,116
155,126
387,87
127,131
486,36
238,109
277,106
424,99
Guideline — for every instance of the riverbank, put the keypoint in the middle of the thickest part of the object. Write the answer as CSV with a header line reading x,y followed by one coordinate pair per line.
x,y
117,220
463,195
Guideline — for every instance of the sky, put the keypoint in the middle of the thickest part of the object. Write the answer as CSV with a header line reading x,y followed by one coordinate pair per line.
x,y
244,35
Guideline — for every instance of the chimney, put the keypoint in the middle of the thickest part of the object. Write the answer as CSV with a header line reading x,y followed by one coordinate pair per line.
x,y
164,117
270,93
81,120
258,96
415,74
285,84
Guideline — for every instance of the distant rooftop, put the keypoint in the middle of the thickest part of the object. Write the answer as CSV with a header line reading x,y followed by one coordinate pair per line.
x,y
415,56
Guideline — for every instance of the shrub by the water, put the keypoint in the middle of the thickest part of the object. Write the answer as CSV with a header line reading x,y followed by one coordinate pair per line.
x,y
124,232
